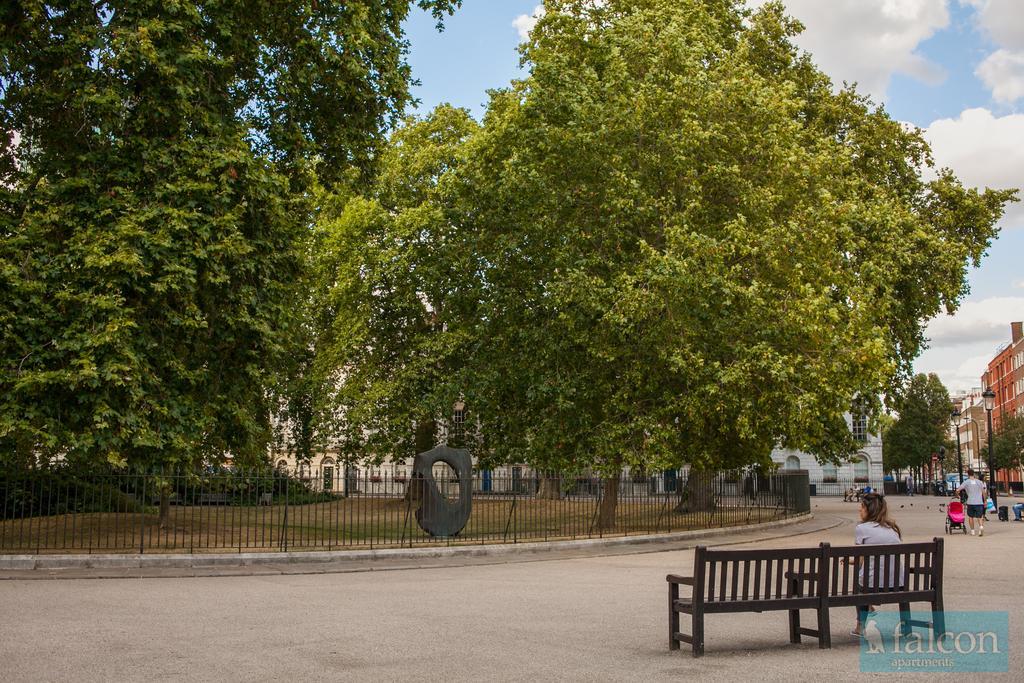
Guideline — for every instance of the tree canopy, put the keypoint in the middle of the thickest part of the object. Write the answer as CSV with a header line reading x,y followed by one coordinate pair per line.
x,y
922,426
1007,443
673,242
158,161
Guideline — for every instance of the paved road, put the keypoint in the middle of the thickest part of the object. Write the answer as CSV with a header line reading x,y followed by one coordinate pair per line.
x,y
587,618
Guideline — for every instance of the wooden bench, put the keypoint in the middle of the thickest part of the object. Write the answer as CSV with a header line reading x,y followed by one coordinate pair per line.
x,y
214,499
793,579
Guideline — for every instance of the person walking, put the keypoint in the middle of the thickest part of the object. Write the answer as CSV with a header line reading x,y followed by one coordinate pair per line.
x,y
977,493
910,484
876,528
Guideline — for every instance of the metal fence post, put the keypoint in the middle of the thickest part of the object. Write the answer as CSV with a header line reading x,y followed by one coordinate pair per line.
x,y
142,518
284,521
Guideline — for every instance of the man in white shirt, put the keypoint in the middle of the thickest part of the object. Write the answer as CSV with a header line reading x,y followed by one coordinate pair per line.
x,y
977,492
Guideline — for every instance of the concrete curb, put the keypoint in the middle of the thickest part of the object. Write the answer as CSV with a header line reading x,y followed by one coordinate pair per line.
x,y
190,561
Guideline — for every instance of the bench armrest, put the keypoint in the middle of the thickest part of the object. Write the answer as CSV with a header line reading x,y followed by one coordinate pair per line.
x,y
684,580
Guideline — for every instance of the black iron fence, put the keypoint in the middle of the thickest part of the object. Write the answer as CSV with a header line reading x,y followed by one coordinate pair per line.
x,y
59,511
837,487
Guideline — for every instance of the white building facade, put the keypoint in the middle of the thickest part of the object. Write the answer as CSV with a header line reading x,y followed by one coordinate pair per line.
x,y
863,469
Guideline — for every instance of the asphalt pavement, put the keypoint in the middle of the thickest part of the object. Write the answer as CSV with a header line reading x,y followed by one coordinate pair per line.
x,y
591,616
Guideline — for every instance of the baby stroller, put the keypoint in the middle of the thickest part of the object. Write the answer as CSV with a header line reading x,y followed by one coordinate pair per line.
x,y
955,517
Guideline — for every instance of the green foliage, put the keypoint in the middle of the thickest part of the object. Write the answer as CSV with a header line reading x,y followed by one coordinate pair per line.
x,y
1008,443
922,426
154,214
671,243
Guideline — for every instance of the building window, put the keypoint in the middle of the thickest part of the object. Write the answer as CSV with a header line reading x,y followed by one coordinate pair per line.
x,y
792,463
459,422
860,469
828,473
860,428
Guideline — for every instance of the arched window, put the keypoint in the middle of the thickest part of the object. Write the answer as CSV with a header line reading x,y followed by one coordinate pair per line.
x,y
327,471
860,469
282,465
792,463
828,473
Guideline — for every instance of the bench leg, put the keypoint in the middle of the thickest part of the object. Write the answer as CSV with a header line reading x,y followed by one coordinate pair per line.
x,y
794,614
824,629
905,626
673,616
698,631
938,620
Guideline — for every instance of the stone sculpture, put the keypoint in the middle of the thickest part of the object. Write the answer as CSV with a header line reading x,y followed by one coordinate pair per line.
x,y
436,514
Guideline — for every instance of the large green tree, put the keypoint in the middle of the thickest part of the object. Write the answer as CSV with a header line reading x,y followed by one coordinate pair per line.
x,y
922,426
672,243
159,160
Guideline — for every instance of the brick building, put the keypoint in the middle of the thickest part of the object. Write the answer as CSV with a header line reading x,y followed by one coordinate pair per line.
x,y
1005,376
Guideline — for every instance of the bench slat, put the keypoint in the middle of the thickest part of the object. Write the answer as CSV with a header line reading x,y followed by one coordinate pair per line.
x,y
778,578
765,554
760,605
683,606
712,567
880,598
757,579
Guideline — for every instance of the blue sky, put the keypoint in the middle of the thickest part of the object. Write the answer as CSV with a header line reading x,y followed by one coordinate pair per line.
x,y
955,68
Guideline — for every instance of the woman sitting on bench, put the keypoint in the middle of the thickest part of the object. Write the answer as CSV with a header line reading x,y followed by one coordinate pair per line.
x,y
876,528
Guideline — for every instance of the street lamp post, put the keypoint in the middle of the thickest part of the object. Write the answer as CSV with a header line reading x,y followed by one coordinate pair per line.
x,y
990,404
955,419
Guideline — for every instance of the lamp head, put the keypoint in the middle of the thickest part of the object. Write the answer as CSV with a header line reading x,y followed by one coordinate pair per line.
x,y
954,416
990,398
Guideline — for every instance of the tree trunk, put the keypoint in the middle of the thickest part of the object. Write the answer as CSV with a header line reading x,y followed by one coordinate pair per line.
x,y
609,501
426,436
698,494
550,486
165,508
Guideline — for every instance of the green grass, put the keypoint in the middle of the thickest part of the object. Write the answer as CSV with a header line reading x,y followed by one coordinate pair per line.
x,y
343,523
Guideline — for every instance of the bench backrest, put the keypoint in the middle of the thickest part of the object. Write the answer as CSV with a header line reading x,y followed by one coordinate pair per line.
x,y
782,573
740,575
857,569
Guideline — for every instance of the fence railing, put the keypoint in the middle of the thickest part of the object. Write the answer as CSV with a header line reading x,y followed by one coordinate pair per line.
x,y
58,511
836,487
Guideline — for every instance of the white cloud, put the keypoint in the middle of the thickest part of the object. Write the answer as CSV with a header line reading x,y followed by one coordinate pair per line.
x,y
524,23
984,151
1003,73
1003,70
977,321
963,344
867,41
1002,19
